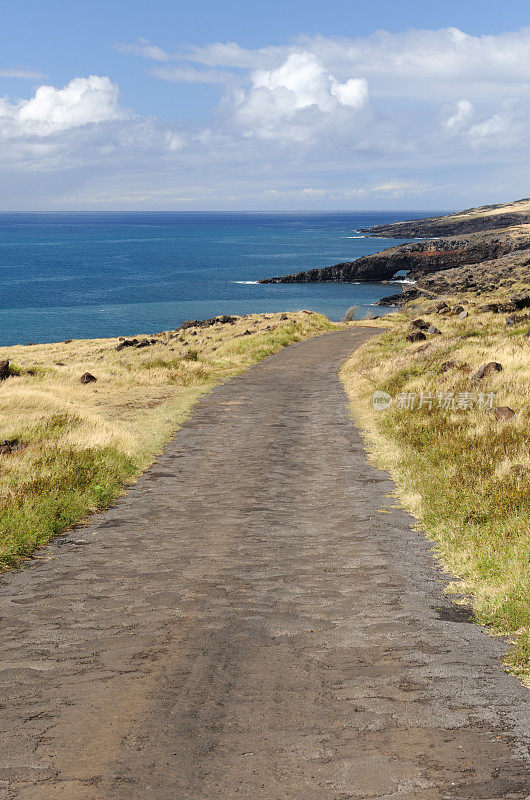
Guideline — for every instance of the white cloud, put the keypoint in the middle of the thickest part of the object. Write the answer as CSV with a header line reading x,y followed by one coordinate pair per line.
x,y
295,100
144,49
423,64
190,75
458,114
26,74
83,101
315,118
81,124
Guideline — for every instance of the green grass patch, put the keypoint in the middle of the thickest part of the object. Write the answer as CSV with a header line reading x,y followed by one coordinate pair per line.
x,y
58,488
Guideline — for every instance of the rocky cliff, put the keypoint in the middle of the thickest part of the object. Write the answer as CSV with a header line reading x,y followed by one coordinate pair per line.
x,y
420,258
472,220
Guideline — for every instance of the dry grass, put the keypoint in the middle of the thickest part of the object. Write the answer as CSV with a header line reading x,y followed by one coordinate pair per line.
x,y
84,442
453,468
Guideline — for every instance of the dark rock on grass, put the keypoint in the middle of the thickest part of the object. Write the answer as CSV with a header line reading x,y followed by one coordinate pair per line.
x,y
447,365
87,378
420,324
4,369
433,330
143,343
225,319
486,370
491,307
416,336
459,309
127,343
521,301
441,306
11,446
444,310
503,413
506,308
284,317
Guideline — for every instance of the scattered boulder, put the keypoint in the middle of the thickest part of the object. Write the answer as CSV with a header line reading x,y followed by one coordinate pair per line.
x,y
459,309
225,319
11,446
143,343
127,343
87,378
284,317
441,306
415,336
445,310
521,301
492,307
486,370
4,369
433,330
503,413
463,314
447,365
506,308
420,324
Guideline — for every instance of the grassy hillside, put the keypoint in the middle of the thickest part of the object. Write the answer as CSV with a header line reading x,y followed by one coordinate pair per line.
x,y
72,446
461,470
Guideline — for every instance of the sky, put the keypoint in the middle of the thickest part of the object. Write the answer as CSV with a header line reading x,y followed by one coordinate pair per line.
x,y
160,105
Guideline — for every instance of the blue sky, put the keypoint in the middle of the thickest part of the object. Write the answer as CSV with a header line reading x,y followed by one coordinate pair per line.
x,y
283,105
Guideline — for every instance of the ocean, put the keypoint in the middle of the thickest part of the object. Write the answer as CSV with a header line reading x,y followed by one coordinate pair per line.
x,y
85,275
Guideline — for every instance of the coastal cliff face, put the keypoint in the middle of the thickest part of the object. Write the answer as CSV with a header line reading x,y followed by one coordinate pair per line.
x,y
420,258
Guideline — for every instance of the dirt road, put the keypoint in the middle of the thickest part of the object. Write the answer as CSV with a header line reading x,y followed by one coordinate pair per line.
x,y
255,620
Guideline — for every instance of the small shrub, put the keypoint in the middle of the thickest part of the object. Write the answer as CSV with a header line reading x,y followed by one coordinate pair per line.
x,y
349,316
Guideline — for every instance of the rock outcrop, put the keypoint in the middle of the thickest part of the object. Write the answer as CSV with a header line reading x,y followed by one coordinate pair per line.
x,y
420,258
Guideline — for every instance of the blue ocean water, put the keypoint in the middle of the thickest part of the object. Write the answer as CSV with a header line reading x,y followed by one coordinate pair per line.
x,y
69,275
